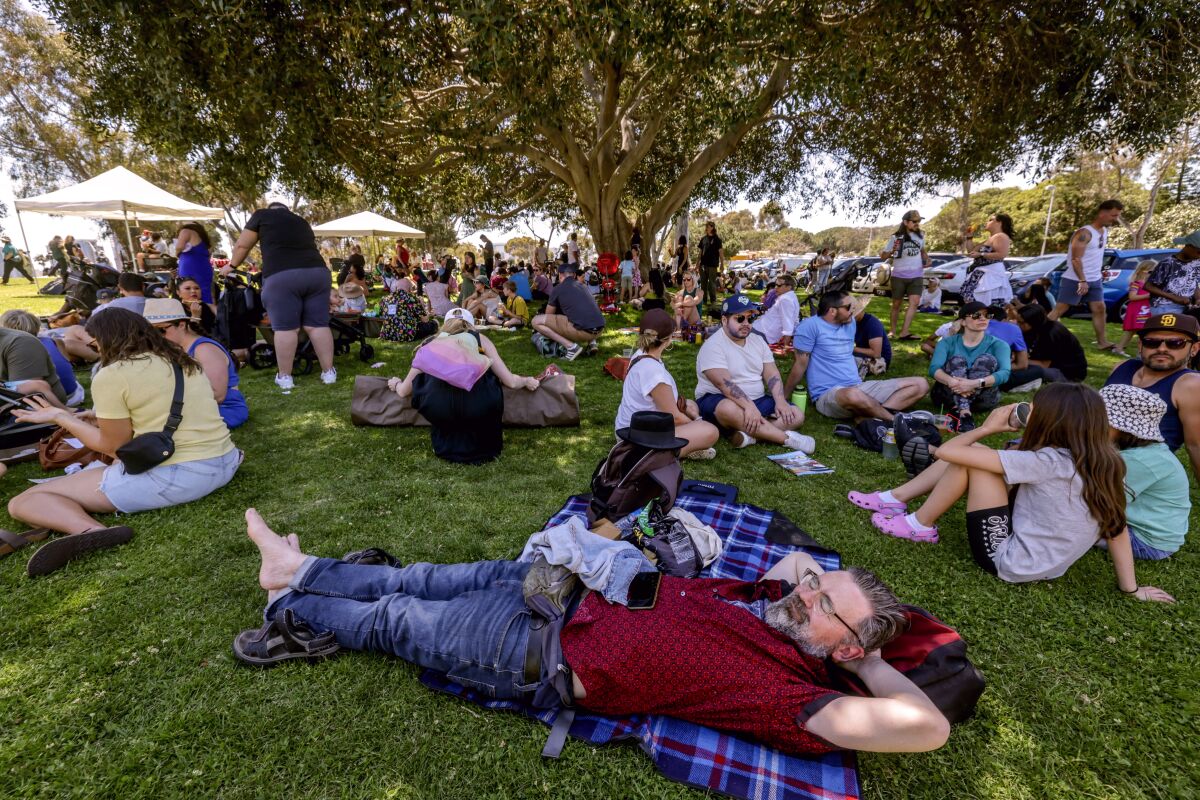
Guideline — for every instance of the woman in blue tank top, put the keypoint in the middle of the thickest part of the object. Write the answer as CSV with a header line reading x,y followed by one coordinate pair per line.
x,y
177,326
191,250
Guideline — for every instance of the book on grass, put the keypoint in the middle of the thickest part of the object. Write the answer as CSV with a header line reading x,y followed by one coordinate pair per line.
x,y
799,464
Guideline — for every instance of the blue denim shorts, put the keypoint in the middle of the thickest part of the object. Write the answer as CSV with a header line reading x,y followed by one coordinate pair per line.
x,y
1068,292
169,485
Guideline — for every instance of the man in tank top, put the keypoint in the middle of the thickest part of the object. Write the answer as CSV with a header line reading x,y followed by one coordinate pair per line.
x,y
1083,281
1169,342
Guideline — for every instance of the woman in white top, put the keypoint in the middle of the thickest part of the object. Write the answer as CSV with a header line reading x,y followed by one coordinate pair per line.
x,y
649,387
987,282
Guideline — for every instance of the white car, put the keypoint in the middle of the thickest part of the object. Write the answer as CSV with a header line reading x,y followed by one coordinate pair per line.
x,y
950,278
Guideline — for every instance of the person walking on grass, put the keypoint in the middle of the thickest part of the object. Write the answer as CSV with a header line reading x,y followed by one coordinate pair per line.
x,y
738,386
906,249
133,394
1069,493
295,286
648,386
712,258
1083,282
13,261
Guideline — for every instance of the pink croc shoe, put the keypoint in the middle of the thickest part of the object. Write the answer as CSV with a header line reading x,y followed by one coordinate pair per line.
x,y
898,526
872,502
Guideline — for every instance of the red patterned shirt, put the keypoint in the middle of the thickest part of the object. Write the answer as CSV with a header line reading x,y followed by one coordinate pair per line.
x,y
701,658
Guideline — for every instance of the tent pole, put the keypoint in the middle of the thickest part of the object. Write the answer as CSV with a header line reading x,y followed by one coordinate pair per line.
x,y
128,239
32,268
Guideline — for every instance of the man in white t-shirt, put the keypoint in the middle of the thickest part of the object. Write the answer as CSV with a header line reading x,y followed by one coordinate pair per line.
x,y
739,388
780,320
1083,281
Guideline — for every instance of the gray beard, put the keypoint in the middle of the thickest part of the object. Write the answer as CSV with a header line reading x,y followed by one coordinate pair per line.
x,y
785,615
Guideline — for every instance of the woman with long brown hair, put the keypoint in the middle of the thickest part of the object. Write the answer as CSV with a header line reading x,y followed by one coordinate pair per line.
x,y
1069,482
132,393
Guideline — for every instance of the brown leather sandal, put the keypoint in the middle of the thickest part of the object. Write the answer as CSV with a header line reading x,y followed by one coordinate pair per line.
x,y
283,639
12,542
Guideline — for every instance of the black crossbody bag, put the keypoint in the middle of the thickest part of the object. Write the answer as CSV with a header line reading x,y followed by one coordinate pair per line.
x,y
144,452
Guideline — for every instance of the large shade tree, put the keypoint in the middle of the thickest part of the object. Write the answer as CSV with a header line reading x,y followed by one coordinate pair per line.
x,y
627,109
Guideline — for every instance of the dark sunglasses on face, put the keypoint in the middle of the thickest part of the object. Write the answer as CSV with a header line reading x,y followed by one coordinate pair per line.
x,y
978,315
741,319
1171,344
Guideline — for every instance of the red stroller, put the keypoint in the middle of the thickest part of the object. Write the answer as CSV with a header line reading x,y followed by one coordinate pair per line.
x,y
608,266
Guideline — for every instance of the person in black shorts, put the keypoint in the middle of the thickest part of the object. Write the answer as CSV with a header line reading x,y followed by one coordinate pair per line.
x,y
296,286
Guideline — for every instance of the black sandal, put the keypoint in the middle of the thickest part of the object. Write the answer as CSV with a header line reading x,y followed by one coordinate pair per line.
x,y
283,639
60,552
372,555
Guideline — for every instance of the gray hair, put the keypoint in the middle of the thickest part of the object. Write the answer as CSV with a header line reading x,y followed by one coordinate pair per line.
x,y
887,620
20,320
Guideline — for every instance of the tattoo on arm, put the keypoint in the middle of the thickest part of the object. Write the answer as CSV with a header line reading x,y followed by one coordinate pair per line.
x,y
774,383
1083,236
733,391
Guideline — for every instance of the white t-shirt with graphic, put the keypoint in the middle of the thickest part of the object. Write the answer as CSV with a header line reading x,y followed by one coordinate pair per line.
x,y
908,264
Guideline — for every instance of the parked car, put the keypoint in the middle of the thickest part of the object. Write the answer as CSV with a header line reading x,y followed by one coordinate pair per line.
x,y
950,275
938,259
1118,267
1034,268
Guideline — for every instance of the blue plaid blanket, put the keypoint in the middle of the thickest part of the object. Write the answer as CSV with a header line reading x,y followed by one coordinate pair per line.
x,y
693,754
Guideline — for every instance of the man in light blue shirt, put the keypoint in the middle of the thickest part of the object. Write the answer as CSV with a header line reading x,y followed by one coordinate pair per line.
x,y
824,347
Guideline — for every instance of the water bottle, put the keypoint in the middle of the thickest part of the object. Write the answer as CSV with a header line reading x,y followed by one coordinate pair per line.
x,y
889,445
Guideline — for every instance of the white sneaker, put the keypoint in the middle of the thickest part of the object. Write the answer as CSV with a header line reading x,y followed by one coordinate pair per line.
x,y
1033,385
742,439
329,376
573,352
707,454
284,382
799,441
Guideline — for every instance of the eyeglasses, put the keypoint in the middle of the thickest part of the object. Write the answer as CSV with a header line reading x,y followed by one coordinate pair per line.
x,y
741,319
811,581
1171,344
978,315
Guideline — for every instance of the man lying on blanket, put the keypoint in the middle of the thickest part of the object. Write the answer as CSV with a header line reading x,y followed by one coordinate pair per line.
x,y
742,657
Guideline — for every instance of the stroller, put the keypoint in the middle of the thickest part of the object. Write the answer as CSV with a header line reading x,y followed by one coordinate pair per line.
x,y
239,310
607,265
347,329
837,278
82,282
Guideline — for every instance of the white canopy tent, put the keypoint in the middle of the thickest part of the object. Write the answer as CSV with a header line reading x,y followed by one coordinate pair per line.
x,y
117,194
368,223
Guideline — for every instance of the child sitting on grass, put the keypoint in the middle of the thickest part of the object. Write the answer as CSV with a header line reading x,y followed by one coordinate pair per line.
x,y
512,313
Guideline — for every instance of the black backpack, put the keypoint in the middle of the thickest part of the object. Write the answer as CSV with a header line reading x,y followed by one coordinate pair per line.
x,y
629,477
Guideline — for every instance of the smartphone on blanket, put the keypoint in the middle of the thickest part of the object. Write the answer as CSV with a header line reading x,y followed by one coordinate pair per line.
x,y
643,590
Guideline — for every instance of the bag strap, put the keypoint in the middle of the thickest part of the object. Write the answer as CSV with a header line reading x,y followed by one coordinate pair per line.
x,y
175,417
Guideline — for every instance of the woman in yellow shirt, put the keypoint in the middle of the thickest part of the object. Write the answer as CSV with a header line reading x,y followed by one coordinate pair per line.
x,y
132,395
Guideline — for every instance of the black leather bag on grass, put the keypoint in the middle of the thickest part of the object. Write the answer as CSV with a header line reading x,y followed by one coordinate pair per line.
x,y
629,477
143,453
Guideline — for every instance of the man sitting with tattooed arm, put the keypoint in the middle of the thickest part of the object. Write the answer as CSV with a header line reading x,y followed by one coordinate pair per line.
x,y
738,386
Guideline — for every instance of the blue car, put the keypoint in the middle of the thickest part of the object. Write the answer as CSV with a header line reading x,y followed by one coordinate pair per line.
x,y
1118,267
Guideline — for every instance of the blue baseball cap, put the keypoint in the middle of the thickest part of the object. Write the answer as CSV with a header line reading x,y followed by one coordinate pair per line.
x,y
737,304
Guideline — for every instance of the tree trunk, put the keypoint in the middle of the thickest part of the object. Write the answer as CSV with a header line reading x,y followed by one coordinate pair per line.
x,y
964,217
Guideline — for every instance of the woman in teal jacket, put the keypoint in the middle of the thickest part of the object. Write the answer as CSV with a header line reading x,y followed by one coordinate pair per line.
x,y
969,367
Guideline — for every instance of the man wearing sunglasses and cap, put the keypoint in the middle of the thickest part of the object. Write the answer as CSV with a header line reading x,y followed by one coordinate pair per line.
x,y
739,388
1169,344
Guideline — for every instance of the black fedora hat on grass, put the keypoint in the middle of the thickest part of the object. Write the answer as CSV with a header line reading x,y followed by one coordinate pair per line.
x,y
653,429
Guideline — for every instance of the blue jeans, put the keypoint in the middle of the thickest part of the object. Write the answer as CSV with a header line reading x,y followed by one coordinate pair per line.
x,y
466,620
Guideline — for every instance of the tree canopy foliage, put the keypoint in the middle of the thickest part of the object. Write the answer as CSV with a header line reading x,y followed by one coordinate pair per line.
x,y
627,110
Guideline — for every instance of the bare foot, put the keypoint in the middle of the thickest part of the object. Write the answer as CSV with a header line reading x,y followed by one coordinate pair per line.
x,y
280,557
293,542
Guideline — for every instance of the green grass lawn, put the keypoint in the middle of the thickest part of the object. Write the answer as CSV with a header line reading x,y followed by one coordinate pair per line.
x,y
116,678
